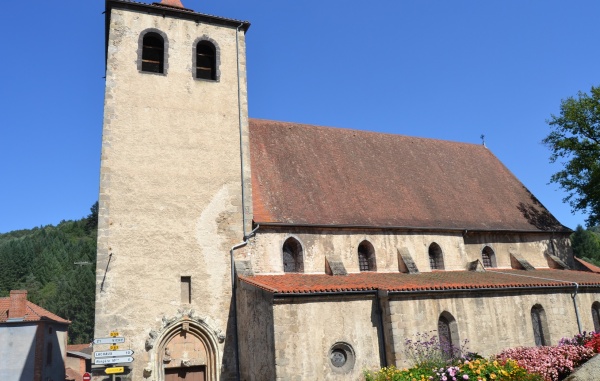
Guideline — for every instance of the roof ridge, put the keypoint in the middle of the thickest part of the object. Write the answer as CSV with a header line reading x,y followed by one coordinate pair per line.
x,y
357,130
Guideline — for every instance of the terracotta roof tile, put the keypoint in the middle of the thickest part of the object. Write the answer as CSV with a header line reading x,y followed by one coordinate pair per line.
x,y
310,175
437,280
33,313
78,347
587,265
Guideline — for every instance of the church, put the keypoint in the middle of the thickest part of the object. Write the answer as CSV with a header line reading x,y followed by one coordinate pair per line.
x,y
232,248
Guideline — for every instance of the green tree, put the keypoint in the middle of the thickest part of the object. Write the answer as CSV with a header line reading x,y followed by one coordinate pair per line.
x,y
575,142
56,264
586,245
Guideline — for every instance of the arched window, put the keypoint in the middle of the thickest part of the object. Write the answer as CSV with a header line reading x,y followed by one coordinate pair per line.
x,y
292,256
488,257
153,53
540,327
448,335
206,60
366,257
596,316
436,257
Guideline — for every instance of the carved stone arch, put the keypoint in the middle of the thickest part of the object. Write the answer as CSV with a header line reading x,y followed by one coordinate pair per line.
x,y
186,345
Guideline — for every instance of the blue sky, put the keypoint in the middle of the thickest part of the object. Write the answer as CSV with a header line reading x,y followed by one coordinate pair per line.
x,y
442,69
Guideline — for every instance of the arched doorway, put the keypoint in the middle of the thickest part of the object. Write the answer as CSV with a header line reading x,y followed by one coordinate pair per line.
x,y
187,352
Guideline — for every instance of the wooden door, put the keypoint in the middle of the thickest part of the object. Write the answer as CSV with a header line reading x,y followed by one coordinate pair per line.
x,y
192,373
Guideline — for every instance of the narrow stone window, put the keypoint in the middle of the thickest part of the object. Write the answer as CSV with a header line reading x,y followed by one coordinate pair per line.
x,y
436,257
488,257
153,53
186,289
292,256
49,354
448,335
366,257
540,327
596,316
206,61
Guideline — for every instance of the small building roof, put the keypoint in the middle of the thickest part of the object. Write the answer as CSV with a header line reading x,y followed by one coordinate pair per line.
x,y
310,175
586,266
294,284
33,313
80,350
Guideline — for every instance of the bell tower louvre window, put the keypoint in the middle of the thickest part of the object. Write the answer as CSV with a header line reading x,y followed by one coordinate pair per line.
x,y
206,61
153,53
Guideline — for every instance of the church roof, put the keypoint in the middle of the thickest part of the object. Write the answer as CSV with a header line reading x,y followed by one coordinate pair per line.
x,y
296,283
320,176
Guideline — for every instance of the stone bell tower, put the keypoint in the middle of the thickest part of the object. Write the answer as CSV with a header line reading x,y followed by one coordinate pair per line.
x,y
174,191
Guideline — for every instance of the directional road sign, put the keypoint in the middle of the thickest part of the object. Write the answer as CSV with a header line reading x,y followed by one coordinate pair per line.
x,y
109,340
113,360
114,370
127,352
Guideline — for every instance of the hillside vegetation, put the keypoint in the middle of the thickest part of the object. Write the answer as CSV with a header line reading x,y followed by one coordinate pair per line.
x,y
586,244
57,266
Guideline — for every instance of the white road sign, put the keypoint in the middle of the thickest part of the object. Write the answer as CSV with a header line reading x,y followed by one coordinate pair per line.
x,y
113,360
127,352
109,340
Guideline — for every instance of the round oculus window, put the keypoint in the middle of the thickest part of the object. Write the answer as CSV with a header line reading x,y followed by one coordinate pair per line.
x,y
341,357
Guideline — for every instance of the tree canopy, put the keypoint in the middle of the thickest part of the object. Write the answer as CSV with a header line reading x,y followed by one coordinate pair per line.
x,y
586,245
575,143
56,265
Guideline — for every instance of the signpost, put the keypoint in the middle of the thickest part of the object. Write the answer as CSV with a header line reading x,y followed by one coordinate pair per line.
x,y
127,352
113,360
109,340
114,370
113,356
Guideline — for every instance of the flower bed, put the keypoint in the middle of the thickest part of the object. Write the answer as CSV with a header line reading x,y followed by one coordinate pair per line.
x,y
435,361
476,370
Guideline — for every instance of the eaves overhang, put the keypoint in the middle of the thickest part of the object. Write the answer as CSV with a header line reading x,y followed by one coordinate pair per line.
x,y
464,231
168,11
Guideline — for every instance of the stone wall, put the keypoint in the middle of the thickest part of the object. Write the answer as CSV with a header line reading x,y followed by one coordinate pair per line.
x,y
489,321
457,248
307,328
256,333
170,201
